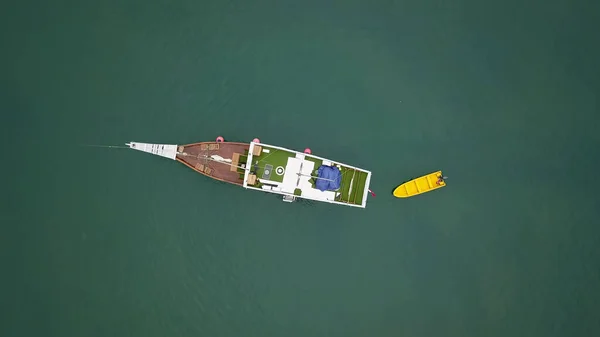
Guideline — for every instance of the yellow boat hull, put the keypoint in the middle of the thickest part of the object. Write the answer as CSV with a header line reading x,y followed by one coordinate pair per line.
x,y
420,185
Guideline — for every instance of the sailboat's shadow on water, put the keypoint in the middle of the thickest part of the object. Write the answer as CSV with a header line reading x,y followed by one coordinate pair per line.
x,y
306,202
298,201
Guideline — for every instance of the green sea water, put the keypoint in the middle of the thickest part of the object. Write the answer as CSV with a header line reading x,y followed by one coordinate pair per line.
x,y
500,95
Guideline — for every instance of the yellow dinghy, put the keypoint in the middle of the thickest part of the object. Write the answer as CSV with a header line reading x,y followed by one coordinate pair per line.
x,y
426,183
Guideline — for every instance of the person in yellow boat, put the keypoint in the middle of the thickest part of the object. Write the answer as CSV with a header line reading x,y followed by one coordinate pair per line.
x,y
441,179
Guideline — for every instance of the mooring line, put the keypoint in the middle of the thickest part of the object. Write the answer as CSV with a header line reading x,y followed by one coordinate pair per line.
x,y
105,146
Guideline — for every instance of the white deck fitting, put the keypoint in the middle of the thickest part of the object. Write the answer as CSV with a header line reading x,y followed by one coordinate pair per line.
x,y
315,194
367,190
249,162
270,182
307,168
290,178
163,150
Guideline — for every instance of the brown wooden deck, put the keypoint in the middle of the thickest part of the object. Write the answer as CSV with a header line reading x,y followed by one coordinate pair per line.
x,y
195,156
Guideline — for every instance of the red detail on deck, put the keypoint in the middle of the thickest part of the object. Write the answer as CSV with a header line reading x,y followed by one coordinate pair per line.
x,y
220,139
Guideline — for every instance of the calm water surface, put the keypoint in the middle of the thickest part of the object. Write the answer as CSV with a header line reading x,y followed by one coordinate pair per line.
x,y
503,96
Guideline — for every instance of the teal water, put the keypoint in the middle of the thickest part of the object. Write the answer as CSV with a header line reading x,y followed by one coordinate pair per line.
x,y
503,96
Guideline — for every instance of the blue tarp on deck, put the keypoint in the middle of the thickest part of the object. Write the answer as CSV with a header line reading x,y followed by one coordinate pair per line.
x,y
329,179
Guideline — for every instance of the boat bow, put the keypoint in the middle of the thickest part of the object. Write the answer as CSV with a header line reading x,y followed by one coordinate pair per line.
x,y
163,150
